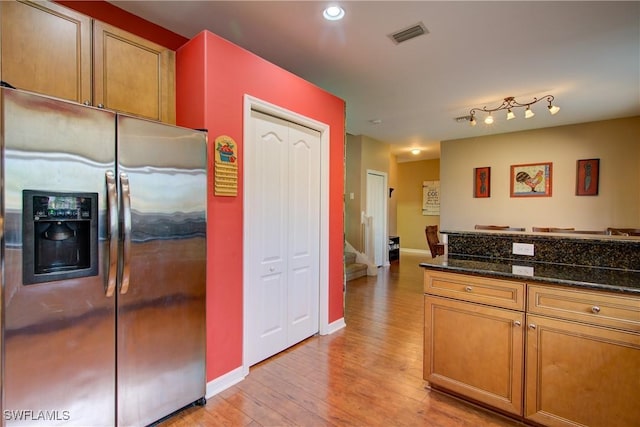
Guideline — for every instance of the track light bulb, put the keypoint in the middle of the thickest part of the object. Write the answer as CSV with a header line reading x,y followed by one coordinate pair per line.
x,y
553,109
489,119
510,115
528,114
472,121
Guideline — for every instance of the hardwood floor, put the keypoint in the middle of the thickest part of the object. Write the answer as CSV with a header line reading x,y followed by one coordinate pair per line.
x,y
367,374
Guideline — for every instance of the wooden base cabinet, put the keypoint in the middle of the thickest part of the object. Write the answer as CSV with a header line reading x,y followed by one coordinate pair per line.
x,y
475,351
474,338
582,358
581,375
550,356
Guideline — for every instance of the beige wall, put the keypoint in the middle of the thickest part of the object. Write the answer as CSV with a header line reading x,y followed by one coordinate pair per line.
x,y
408,193
363,153
352,187
615,142
393,198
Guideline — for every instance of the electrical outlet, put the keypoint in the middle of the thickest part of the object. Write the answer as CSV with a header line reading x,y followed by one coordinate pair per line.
x,y
522,270
523,249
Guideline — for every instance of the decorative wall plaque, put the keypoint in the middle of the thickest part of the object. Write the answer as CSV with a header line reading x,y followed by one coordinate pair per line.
x,y
225,178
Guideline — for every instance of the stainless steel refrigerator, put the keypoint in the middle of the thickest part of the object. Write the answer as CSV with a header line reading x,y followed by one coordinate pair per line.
x,y
103,254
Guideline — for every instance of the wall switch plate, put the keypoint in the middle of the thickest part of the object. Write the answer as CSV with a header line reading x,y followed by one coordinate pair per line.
x,y
523,249
522,270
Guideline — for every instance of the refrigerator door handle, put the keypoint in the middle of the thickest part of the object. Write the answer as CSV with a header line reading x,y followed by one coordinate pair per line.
x,y
112,202
126,247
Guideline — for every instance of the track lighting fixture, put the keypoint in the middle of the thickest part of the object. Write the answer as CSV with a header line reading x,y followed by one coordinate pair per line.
x,y
509,104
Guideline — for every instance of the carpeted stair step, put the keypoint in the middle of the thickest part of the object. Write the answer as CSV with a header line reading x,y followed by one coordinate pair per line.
x,y
353,269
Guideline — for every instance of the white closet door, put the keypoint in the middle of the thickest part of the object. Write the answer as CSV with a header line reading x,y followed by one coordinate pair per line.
x,y
376,208
304,233
283,190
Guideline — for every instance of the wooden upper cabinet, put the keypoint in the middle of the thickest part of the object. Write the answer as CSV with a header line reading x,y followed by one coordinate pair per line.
x,y
46,48
133,75
52,50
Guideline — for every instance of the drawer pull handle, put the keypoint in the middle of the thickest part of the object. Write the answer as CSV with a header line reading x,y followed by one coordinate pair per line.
x,y
517,322
595,309
468,289
532,326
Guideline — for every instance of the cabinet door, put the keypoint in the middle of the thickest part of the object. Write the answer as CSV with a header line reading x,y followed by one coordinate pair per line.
x,y
46,49
475,351
581,375
133,75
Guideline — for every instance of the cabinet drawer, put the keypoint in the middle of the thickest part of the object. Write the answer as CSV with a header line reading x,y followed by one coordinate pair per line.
x,y
495,292
598,308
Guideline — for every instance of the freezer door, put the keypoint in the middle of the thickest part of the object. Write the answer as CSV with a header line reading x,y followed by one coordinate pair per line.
x,y
161,306
59,358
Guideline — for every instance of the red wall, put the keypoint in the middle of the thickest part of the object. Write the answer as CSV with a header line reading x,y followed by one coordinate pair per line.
x,y
212,77
106,12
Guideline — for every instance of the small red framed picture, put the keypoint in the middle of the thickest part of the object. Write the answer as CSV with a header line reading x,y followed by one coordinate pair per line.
x,y
482,182
587,173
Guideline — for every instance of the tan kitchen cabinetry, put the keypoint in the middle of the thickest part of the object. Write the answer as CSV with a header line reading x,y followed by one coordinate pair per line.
x,y
52,50
572,358
579,370
470,348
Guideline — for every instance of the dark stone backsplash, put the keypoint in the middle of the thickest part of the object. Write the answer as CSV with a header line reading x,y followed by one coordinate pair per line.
x,y
602,252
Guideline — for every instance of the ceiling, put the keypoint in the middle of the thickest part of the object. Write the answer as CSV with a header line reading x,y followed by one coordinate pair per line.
x,y
585,54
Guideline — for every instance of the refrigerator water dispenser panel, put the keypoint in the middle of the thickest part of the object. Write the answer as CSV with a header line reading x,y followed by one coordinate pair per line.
x,y
59,235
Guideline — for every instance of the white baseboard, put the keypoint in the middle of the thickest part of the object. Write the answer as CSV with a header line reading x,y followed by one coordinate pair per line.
x,y
224,382
334,326
415,251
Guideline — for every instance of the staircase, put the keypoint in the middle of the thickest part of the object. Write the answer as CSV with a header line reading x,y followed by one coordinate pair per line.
x,y
353,269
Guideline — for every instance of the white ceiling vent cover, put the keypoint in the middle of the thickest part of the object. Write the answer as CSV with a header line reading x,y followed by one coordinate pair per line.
x,y
409,33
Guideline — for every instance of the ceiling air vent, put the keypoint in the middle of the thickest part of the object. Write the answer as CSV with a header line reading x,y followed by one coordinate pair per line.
x,y
409,33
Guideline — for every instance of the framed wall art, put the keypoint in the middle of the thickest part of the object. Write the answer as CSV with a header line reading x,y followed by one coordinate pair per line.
x,y
431,198
531,180
587,176
482,182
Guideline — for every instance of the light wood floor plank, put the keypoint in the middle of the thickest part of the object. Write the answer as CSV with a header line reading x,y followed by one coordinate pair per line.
x,y
367,374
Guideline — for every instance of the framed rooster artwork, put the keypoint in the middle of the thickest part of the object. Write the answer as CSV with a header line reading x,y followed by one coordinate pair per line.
x,y
531,180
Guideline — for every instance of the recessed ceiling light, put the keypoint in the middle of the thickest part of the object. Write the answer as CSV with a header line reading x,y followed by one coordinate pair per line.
x,y
333,13
415,151
375,121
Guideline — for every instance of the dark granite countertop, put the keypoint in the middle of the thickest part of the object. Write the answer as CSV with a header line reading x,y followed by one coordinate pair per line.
x,y
604,279
542,235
